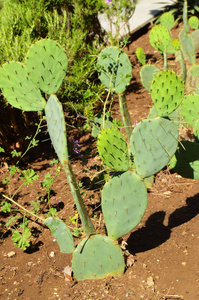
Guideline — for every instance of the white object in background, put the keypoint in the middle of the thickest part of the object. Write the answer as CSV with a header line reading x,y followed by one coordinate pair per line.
x,y
145,12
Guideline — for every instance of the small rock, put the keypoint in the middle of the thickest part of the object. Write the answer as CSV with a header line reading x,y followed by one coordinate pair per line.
x,y
52,254
150,282
11,254
68,273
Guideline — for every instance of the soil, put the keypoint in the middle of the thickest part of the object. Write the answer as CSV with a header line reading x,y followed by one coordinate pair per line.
x,y
164,261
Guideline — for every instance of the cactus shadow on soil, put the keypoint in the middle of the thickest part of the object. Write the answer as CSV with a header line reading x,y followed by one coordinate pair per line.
x,y
155,233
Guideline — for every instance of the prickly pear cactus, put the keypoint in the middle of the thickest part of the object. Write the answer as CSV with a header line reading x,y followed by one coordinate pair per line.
x,y
159,38
192,81
190,109
18,89
124,201
188,48
167,91
176,44
114,69
56,127
153,143
46,63
167,20
147,74
113,149
141,56
62,234
193,22
186,160
196,131
97,257
57,131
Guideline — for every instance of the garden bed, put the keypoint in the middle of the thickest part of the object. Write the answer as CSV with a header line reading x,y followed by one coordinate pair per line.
x,y
164,246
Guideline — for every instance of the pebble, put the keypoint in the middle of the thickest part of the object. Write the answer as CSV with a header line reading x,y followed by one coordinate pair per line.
x,y
11,254
52,254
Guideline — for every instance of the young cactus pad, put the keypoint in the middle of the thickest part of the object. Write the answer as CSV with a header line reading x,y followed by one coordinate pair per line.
x,y
167,20
97,257
190,109
18,89
124,201
159,38
62,234
113,149
114,69
167,91
185,162
141,56
153,143
46,63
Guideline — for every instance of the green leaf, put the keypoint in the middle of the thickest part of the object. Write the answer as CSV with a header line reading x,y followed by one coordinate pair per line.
x,y
29,175
21,239
5,206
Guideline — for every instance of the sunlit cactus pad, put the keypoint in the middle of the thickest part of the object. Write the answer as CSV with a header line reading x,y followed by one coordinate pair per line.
x,y
186,160
18,89
113,149
124,201
167,20
159,37
114,69
167,91
46,63
97,257
190,109
153,143
62,234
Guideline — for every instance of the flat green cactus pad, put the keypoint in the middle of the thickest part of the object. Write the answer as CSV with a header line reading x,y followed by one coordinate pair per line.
x,y
124,201
62,234
167,91
190,109
56,127
186,160
153,143
114,69
147,74
46,63
113,149
97,257
159,37
18,89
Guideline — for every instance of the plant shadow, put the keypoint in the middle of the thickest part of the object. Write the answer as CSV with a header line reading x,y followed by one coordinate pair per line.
x,y
155,233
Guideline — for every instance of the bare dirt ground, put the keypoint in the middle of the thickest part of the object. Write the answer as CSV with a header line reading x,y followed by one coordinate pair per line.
x,y
164,245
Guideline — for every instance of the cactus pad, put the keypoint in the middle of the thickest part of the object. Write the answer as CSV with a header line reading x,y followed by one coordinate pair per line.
x,y
113,149
147,74
159,38
192,81
114,69
62,234
97,257
186,160
141,56
167,91
190,109
167,20
18,89
56,127
193,22
46,64
124,201
153,143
